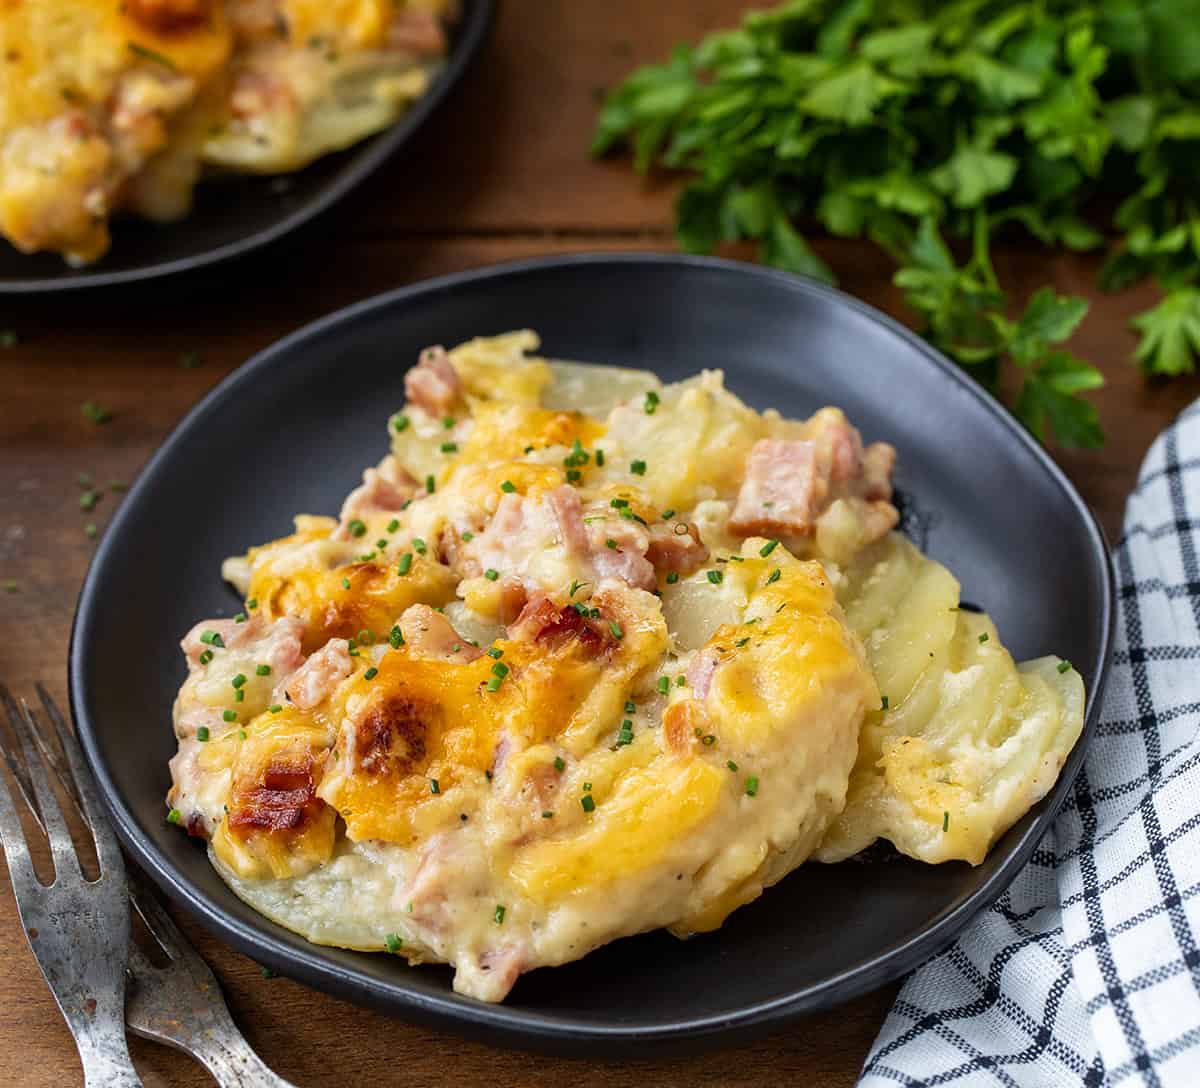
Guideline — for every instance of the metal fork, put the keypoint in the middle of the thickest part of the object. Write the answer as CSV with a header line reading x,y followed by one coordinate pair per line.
x,y
179,1004
78,929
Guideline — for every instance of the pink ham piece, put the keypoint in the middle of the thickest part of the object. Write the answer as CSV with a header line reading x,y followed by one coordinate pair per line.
x,y
315,680
385,489
432,385
790,483
277,643
419,32
429,634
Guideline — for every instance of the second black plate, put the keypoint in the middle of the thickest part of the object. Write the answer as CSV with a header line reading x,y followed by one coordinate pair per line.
x,y
292,430
235,216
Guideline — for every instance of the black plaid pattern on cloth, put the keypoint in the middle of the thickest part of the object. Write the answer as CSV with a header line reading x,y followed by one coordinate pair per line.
x,y
1087,971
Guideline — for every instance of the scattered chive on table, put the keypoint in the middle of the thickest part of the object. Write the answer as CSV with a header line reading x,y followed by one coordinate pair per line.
x,y
92,383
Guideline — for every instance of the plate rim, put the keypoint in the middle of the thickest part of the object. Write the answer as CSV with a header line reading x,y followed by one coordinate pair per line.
x,y
504,1024
472,32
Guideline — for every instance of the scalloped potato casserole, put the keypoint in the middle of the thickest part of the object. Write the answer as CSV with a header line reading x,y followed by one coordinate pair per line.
x,y
587,655
119,105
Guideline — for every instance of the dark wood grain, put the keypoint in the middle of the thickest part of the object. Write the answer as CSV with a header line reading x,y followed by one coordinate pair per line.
x,y
502,174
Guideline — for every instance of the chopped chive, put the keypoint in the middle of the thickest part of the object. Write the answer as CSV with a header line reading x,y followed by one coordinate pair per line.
x,y
547,815
430,486
434,787
752,786
496,652
576,587
90,530
203,734
405,563
419,545
252,604
382,543
394,942
498,916
491,574
88,500
588,803
731,765
984,637
708,740
508,487
768,548
345,583
211,638
267,973
357,527
651,403
449,447
468,536
494,683
238,680
241,734
619,503
205,657
396,637
95,413
153,55
667,515
275,708
741,642
945,822
599,458
393,525
615,628
239,696
174,816
776,574
449,422
883,702
638,468
715,576
229,716
500,669
664,685
1064,666
587,787
574,475
672,577
399,423
371,673
610,543
559,764
240,618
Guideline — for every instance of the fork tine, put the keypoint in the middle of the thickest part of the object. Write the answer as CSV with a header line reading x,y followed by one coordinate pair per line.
x,y
12,834
58,835
80,785
160,924
15,766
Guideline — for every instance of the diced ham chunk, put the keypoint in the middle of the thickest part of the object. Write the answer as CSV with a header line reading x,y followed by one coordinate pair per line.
x,y
700,672
790,483
617,549
432,385
315,680
276,643
671,550
384,490
416,31
429,634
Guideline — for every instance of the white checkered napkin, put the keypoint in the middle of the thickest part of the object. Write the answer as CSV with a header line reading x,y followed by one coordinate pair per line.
x,y
1087,971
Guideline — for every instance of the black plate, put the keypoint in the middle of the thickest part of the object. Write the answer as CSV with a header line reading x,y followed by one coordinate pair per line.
x,y
234,216
291,431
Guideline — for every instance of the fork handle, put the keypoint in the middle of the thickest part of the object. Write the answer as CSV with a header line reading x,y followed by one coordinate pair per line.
x,y
234,1064
105,1058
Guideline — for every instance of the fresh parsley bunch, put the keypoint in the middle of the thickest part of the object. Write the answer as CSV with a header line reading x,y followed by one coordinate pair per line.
x,y
897,119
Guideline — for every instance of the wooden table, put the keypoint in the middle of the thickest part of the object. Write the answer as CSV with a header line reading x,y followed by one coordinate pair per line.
x,y
502,173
